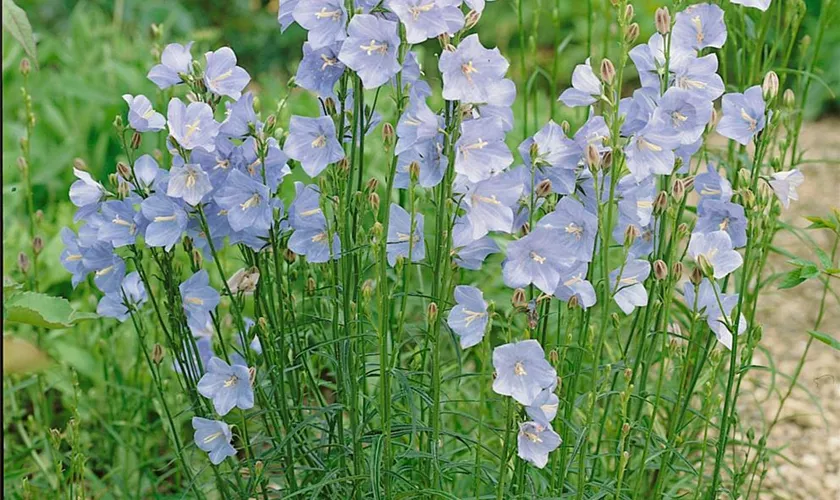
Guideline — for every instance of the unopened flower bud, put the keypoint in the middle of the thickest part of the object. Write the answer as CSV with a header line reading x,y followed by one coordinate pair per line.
x,y
367,288
472,19
747,198
157,353
682,230
310,286
373,201
329,106
696,276
372,184
705,266
543,188
688,182
79,164
263,323
629,13
628,374
39,215
607,71
632,33
660,203
289,256
677,270
789,98
660,269
414,171
22,164
124,170
678,190
526,228
553,356
625,428
534,151
343,165
118,122
37,245
744,177
663,20
388,135
25,66
376,230
136,139
593,157
630,234
432,312
565,126
573,302
445,41
252,374
197,258
518,299
616,320
770,87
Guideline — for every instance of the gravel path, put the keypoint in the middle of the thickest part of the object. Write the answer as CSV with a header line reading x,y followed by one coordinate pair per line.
x,y
809,430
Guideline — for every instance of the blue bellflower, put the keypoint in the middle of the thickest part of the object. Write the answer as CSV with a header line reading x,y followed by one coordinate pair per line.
x,y
227,385
468,71
323,19
371,49
312,142
533,259
222,76
199,299
188,182
142,117
481,151
320,69
535,441
469,318
246,202
192,126
522,371
167,221
575,229
699,26
716,215
175,60
743,115
716,249
784,184
628,284
116,304
586,87
213,436
401,235
425,19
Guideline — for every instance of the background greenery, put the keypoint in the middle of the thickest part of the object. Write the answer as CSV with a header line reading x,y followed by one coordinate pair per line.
x,y
89,54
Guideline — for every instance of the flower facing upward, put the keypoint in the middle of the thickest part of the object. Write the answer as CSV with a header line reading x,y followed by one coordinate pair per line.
x,y
715,248
711,185
228,386
522,371
175,60
188,182
533,259
544,407
222,76
469,71
489,204
113,304
424,19
320,69
468,319
213,436
699,26
575,228
743,115
481,151
324,19
704,300
586,87
167,221
573,283
535,441
717,215
192,126
121,223
371,49
142,116
246,202
312,142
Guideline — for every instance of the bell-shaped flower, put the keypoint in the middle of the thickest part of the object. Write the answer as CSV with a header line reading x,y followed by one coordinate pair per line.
x,y
481,151
429,156
489,204
213,436
697,75
227,385
320,69
323,19
240,118
121,223
535,441
575,229
371,49
425,19
522,371
699,26
500,97
743,115
85,192
198,298
469,318
142,117
651,150
417,125
246,201
715,250
544,407
710,185
174,61
285,13
533,259
116,304
557,157
627,283
784,184
716,215
167,221
313,242
638,109
470,70
108,268
188,182
305,211
72,255
222,76
586,87
192,126
761,5
312,142
573,283
402,238
683,113
706,299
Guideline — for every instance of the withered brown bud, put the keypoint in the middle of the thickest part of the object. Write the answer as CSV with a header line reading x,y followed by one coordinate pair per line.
x,y
79,164
629,13
329,106
124,170
289,256
136,140
628,374
696,276
157,353
310,286
573,302
663,20
519,299
373,201
688,182
252,374
543,188
372,184
37,245
632,33
472,19
343,165
23,262
244,280
197,258
660,203
630,234
607,71
606,160
593,157
625,428
660,269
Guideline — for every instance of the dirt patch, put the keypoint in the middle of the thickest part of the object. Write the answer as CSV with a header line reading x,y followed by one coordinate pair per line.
x,y
808,431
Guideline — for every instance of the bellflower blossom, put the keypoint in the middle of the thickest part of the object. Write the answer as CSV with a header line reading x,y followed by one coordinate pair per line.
x,y
628,284
228,386
313,143
683,113
699,26
113,304
167,221
433,164
557,157
72,256
199,298
240,118
246,201
175,60
285,13
371,49
400,234
784,184
310,237
417,124
469,70
544,407
533,259
573,283
586,87
743,115
704,300
716,249
192,126
323,19
213,436
698,75
651,150
761,5
490,203
522,371
469,318
108,268
481,151
500,97
121,223
710,185
638,109
188,182
85,192
320,69
535,441
716,215
424,19
222,76
575,227
142,117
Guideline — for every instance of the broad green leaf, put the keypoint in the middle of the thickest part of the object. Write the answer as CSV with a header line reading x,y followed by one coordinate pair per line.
x,y
20,356
825,338
42,310
825,260
809,271
792,279
17,24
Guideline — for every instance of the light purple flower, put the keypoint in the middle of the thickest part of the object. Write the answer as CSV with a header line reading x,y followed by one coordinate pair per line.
x,y
586,87
522,371
371,49
222,76
313,143
401,235
175,60
246,202
313,243
651,151
469,70
198,298
535,442
784,184
192,126
500,97
705,302
240,118
743,115
108,268
711,185
472,254
424,19
544,407
324,19
417,124
717,215
121,223
628,284
697,75
716,248
113,304
573,283
85,191
489,205
683,113
575,229
228,386
167,221
433,164
533,259
481,151
213,436
188,182
320,69
699,26
285,13
638,110
468,319
72,256
141,115
761,5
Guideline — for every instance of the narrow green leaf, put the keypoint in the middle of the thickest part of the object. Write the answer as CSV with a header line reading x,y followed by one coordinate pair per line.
x,y
792,279
825,260
825,339
17,24
42,310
